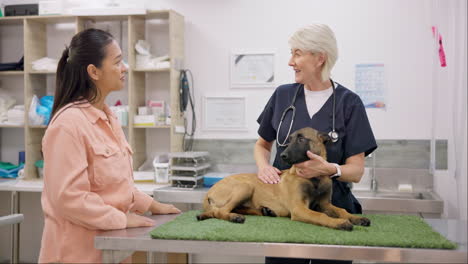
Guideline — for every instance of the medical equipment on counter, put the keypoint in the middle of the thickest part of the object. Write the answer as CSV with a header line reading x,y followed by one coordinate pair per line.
x,y
185,98
332,134
186,169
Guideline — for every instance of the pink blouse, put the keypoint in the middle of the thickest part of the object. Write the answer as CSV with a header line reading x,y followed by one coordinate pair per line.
x,y
88,183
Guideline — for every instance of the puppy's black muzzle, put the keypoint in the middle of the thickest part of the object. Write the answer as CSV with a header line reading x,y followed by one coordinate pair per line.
x,y
295,153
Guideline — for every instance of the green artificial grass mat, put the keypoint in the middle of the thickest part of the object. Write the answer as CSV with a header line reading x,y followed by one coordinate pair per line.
x,y
386,231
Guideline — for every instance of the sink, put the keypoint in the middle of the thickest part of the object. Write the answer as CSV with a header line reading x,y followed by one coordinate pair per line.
x,y
400,202
395,195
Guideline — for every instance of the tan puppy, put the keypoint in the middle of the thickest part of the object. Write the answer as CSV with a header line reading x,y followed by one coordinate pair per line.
x,y
305,200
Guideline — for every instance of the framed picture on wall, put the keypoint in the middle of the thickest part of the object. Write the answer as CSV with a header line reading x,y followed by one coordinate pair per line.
x,y
224,113
252,69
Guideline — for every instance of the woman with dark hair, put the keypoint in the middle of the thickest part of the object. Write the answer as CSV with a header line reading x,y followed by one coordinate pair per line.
x,y
88,181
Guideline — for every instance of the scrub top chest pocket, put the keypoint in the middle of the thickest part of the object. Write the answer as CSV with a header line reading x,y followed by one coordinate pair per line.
x,y
108,164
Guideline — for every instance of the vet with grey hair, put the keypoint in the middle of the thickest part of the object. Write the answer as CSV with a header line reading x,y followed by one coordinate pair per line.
x,y
314,100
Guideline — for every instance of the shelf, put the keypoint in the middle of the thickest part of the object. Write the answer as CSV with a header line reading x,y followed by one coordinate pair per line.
x,y
156,14
99,18
14,20
135,126
11,72
153,70
42,72
53,19
38,126
11,126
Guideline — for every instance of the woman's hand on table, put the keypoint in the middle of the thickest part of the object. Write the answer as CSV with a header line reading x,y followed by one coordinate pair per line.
x,y
135,220
162,208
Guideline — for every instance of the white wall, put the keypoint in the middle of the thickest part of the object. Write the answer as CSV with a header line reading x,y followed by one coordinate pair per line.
x,y
450,83
394,32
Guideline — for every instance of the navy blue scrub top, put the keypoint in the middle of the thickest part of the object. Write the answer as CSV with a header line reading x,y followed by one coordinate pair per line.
x,y
351,123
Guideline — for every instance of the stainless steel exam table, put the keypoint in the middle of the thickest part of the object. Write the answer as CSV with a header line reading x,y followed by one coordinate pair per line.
x,y
13,219
117,245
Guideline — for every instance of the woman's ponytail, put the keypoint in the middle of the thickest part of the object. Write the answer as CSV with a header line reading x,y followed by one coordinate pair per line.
x,y
60,75
73,83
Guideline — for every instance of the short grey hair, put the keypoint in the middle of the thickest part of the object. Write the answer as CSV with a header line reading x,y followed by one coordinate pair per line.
x,y
317,38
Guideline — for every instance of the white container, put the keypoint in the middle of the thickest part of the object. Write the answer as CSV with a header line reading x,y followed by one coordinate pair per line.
x,y
143,110
161,172
144,120
50,7
121,112
157,107
40,172
143,61
161,168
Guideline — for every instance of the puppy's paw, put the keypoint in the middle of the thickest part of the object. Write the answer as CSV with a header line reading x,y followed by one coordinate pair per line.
x,y
200,217
237,219
363,221
345,225
267,212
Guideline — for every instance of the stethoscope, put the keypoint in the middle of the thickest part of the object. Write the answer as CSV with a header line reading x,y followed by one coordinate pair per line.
x,y
332,134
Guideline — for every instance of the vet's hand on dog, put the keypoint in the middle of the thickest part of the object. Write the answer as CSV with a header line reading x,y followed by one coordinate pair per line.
x,y
314,167
269,174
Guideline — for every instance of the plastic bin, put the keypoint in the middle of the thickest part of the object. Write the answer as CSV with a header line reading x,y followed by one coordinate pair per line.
x,y
213,177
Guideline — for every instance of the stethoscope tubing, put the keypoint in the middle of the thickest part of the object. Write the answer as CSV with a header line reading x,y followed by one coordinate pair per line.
x,y
332,134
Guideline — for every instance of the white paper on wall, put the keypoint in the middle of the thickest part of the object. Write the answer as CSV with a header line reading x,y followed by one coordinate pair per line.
x,y
370,85
224,113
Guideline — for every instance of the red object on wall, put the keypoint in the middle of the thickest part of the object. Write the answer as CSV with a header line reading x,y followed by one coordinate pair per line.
x,y
443,62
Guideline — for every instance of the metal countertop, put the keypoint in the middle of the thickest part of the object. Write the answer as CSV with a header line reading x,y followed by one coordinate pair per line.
x,y
118,244
428,203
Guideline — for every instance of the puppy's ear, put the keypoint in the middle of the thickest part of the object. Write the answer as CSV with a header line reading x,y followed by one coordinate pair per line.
x,y
324,137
